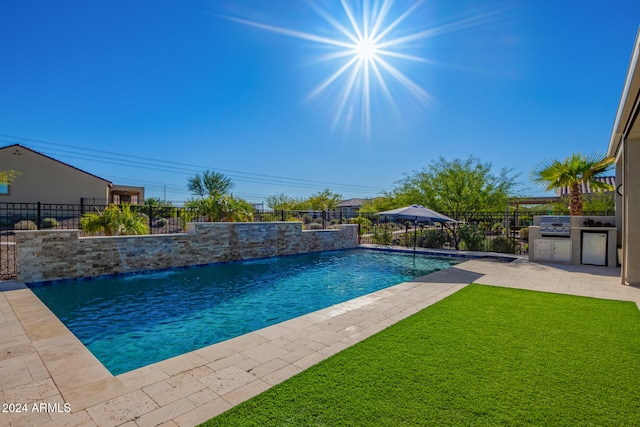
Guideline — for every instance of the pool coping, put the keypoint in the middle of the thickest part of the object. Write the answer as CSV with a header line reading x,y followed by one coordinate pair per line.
x,y
42,362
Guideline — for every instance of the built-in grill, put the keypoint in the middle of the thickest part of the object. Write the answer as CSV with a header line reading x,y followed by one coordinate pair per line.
x,y
559,226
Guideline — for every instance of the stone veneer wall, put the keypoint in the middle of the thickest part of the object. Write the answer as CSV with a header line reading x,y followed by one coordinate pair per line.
x,y
48,255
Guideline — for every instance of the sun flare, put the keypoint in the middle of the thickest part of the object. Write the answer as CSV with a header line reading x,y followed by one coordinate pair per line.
x,y
368,45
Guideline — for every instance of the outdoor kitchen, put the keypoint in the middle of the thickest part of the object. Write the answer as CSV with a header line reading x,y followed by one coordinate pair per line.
x,y
568,239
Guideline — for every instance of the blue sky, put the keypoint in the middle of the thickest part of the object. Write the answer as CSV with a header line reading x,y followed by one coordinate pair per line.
x,y
151,92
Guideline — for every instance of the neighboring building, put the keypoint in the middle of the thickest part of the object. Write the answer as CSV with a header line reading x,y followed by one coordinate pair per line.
x,y
585,188
47,180
624,145
349,208
126,194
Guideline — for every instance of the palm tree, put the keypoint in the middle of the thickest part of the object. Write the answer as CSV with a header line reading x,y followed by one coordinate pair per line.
x,y
209,184
571,172
115,220
234,209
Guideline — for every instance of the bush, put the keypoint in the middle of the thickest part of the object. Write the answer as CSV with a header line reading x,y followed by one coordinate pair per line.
x,y
314,226
334,222
49,223
307,218
115,220
363,222
504,245
25,224
433,238
382,234
471,237
161,222
524,234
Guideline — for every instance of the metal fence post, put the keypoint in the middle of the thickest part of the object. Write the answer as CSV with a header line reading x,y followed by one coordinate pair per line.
x,y
151,219
39,216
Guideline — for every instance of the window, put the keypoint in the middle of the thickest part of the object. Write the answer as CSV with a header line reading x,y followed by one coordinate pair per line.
x,y
4,189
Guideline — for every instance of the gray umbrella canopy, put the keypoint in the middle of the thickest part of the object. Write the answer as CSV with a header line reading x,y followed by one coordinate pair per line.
x,y
416,213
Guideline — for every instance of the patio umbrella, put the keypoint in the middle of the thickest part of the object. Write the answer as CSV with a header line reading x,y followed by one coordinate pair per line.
x,y
417,213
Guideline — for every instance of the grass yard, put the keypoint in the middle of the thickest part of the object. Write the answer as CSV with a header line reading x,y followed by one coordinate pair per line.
x,y
485,356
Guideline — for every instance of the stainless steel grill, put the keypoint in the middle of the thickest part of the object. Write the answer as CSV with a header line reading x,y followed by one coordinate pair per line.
x,y
559,226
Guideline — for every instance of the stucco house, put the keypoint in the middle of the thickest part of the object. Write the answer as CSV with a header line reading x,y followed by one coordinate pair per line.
x,y
624,145
47,180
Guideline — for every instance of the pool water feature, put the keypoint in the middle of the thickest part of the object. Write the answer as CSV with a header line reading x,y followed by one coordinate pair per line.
x,y
130,322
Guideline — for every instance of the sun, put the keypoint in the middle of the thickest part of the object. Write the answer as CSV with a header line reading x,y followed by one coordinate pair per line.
x,y
371,44
366,49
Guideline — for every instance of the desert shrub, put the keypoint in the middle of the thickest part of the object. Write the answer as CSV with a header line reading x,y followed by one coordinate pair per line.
x,y
115,220
334,222
49,223
382,234
314,226
471,237
307,218
503,245
524,234
25,224
363,222
433,238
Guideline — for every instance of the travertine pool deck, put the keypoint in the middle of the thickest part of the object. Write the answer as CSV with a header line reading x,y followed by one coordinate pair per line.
x,y
41,362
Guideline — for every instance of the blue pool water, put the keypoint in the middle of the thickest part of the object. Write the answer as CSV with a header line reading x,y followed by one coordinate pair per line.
x,y
134,321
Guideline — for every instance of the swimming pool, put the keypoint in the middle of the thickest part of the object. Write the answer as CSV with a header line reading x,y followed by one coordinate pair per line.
x,y
134,321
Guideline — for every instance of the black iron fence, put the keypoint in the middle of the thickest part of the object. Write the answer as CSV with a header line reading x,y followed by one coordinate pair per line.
x,y
502,232
475,231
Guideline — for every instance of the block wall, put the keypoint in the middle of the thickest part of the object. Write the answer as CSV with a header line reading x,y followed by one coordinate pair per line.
x,y
48,255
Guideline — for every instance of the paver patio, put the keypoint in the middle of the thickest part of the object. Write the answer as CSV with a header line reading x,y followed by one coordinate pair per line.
x,y
41,362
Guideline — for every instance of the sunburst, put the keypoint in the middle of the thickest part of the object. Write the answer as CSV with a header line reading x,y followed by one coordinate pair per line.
x,y
364,49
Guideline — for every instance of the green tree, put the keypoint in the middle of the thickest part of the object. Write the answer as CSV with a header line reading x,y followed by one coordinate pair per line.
x,y
209,184
321,201
571,172
213,200
282,202
457,187
380,204
115,221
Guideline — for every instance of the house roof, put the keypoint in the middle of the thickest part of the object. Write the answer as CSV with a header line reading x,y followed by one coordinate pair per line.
x,y
626,124
109,183
352,203
585,188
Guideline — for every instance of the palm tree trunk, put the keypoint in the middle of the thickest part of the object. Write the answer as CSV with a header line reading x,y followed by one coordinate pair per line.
x,y
575,204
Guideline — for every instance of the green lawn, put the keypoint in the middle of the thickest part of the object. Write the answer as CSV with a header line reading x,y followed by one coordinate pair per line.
x,y
485,356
